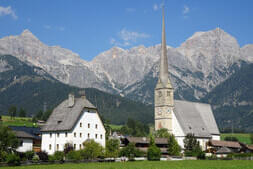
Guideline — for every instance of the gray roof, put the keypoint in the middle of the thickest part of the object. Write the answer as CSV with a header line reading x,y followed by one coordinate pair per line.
x,y
223,150
196,118
23,134
63,117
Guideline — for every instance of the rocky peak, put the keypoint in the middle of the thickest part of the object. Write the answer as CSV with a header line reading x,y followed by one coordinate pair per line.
x,y
214,47
28,34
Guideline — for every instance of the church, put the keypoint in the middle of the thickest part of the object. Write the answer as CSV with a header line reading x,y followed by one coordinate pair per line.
x,y
181,117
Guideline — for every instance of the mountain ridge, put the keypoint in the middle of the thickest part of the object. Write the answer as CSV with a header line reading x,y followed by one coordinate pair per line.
x,y
117,69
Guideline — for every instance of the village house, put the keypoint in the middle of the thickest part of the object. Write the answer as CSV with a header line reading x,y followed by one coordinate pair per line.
x,y
142,143
74,121
29,138
181,117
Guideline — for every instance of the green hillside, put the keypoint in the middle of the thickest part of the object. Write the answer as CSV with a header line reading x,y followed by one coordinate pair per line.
x,y
232,100
30,87
242,137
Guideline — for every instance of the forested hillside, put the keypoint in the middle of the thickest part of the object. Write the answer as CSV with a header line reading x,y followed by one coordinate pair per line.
x,y
30,87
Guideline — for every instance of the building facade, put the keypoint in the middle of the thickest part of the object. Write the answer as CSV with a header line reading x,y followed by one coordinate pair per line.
x,y
181,117
73,122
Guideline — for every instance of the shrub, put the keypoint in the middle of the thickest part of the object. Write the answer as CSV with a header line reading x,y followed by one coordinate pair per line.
x,y
13,160
92,150
29,155
201,155
51,158
35,158
139,153
74,155
154,153
59,155
112,148
43,156
128,151
68,147
3,156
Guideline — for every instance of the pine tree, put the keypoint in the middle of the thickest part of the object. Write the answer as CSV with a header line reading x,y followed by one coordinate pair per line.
x,y
173,147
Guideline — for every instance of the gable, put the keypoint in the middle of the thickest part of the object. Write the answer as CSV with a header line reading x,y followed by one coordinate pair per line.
x,y
64,118
196,118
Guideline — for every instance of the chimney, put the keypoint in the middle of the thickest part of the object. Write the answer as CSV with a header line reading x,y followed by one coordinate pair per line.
x,y
71,100
82,93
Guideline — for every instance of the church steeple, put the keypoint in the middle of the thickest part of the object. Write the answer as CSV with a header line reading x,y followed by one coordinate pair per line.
x,y
164,73
164,93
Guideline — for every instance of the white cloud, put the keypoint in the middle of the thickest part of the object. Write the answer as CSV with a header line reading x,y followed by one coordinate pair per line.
x,y
130,10
47,26
127,38
131,36
155,7
57,28
61,28
186,10
7,11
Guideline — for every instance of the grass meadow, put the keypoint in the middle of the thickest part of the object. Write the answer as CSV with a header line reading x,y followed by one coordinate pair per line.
x,y
186,164
242,137
18,121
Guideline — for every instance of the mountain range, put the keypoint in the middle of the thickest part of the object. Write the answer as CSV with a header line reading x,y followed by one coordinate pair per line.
x,y
31,88
197,67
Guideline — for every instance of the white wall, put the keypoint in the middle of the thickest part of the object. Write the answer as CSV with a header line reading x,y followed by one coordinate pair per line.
x,y
177,131
179,134
26,146
86,118
215,137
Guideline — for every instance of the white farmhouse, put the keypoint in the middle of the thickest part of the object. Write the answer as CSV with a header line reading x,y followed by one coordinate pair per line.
x,y
25,141
73,121
181,117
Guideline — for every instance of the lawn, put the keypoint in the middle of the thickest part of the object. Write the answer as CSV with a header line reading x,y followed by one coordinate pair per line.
x,y
198,164
18,121
115,127
242,137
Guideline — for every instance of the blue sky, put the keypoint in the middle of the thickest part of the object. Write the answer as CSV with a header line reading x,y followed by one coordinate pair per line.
x,y
89,27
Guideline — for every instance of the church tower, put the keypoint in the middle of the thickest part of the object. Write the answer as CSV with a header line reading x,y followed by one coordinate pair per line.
x,y
164,96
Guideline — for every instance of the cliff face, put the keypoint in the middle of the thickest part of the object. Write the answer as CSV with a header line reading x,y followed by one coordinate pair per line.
x,y
202,62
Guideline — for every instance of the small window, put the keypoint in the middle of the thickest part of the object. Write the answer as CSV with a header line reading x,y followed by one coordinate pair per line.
x,y
81,124
160,94
58,134
50,135
96,126
74,134
88,135
66,134
74,146
59,121
80,146
21,143
50,146
96,136
101,136
190,127
168,93
80,135
57,147
88,125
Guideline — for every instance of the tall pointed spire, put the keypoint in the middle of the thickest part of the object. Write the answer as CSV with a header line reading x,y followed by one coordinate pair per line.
x,y
164,73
